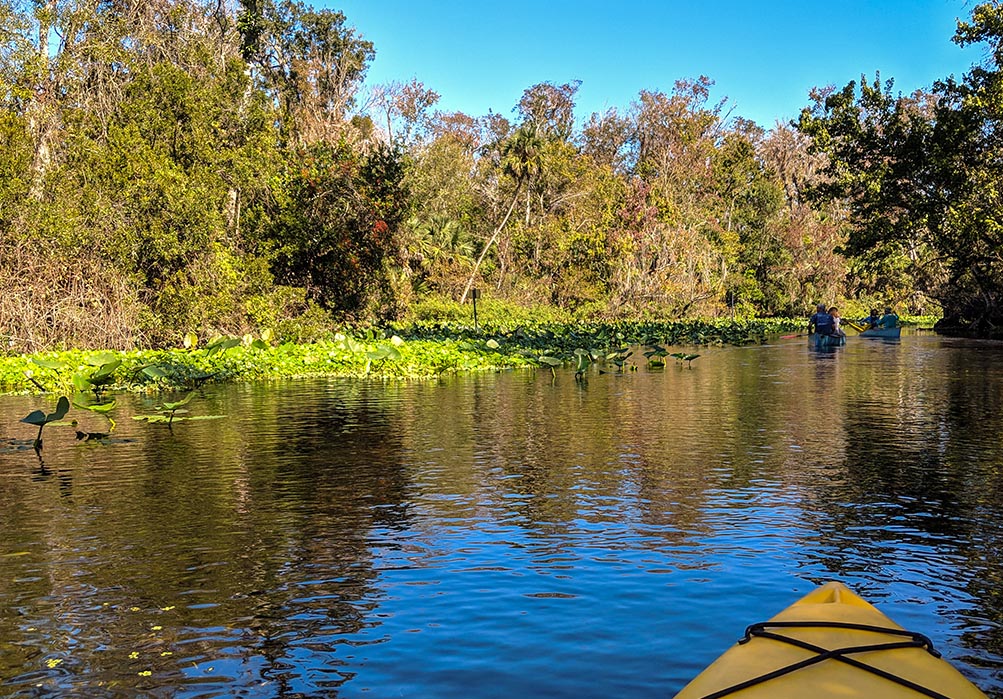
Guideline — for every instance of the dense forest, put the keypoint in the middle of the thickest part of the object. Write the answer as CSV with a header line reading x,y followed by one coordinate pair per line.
x,y
176,166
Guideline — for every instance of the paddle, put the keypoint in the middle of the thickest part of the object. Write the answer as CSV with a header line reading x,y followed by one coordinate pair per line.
x,y
853,325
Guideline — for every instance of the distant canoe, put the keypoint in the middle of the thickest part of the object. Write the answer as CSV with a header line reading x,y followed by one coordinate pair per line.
x,y
819,341
882,332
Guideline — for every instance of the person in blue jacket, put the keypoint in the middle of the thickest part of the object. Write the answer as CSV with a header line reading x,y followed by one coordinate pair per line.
x,y
889,319
821,322
871,320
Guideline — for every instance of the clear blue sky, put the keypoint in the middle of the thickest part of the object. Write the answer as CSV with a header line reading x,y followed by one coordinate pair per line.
x,y
764,56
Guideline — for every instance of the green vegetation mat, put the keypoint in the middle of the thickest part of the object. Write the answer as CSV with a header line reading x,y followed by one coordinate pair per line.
x,y
417,350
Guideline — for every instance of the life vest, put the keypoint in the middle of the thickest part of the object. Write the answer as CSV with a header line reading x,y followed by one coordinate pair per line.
x,y
824,324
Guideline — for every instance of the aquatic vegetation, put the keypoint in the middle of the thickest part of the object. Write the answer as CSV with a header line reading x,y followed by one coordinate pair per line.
x,y
41,419
551,363
384,352
414,351
583,359
172,408
100,406
655,355
619,357
222,345
99,373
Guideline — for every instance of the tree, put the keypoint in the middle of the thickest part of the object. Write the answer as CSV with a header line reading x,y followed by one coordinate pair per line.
x,y
968,225
442,181
404,108
551,108
879,149
606,138
310,61
335,221
791,253
520,160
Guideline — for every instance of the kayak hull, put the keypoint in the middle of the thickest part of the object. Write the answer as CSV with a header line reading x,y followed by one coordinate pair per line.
x,y
882,332
829,678
819,341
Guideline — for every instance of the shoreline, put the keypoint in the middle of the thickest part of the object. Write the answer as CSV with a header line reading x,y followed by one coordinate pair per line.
x,y
418,352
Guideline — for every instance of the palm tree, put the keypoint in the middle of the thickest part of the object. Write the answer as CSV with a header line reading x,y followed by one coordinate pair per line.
x,y
521,160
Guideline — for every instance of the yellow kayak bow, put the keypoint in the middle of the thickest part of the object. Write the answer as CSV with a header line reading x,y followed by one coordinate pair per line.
x,y
830,644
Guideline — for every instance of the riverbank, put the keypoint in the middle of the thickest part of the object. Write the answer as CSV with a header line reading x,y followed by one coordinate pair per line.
x,y
418,350
414,351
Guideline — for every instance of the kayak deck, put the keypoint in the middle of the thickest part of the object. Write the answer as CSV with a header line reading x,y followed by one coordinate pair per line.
x,y
830,644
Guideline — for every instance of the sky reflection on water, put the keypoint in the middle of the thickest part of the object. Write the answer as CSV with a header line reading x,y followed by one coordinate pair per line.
x,y
503,534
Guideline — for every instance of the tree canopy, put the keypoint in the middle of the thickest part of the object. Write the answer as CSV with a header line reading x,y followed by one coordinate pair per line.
x,y
169,166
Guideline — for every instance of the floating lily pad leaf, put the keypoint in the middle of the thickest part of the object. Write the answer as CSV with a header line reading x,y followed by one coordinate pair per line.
x,y
155,372
56,364
151,418
177,404
492,344
14,445
105,371
91,436
102,358
80,401
384,352
396,341
166,418
82,382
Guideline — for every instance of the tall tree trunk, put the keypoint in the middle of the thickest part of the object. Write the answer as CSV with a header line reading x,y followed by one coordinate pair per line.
x,y
233,212
494,237
39,109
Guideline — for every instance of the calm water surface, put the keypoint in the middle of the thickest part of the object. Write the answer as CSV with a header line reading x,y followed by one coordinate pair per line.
x,y
505,534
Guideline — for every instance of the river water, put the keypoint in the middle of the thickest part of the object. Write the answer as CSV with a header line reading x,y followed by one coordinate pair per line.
x,y
499,535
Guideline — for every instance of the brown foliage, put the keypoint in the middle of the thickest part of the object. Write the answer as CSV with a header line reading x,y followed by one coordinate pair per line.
x,y
48,300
